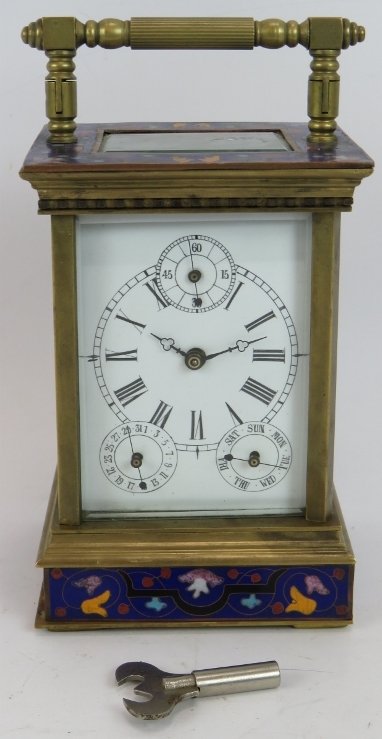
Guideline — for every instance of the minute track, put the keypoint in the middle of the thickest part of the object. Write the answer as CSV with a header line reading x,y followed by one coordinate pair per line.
x,y
282,394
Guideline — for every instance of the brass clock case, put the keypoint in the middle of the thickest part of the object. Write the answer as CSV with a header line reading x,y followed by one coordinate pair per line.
x,y
316,172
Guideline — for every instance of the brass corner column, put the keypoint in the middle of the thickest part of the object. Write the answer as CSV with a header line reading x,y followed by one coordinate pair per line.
x,y
61,37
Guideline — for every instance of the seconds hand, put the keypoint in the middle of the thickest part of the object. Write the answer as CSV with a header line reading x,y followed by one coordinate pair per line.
x,y
142,484
193,270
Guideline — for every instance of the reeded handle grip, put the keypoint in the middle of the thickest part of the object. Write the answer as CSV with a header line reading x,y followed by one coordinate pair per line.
x,y
196,33
60,37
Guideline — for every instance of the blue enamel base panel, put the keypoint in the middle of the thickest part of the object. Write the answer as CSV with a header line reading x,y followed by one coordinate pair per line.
x,y
192,594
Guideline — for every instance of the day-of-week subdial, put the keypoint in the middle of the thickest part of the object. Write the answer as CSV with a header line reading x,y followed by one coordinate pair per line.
x,y
254,456
138,457
195,273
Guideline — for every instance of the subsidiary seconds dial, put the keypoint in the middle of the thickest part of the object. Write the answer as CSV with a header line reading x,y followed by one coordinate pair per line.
x,y
195,273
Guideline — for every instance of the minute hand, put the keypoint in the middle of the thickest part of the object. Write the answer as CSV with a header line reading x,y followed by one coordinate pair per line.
x,y
243,344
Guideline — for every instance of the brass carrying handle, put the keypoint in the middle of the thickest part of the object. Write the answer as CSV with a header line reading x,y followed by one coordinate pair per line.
x,y
323,37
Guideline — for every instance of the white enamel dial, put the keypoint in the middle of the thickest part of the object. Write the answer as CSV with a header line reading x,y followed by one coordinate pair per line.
x,y
195,273
254,456
186,373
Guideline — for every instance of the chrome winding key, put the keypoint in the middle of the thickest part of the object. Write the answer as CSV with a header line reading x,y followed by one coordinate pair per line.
x,y
166,689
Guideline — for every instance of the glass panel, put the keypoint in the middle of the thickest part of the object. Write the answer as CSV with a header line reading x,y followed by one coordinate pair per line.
x,y
191,327
172,142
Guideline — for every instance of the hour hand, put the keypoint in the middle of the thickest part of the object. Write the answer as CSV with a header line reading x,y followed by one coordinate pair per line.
x,y
168,344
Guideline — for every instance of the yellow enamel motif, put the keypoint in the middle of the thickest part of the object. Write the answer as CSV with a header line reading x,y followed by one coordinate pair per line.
x,y
300,603
93,605
210,160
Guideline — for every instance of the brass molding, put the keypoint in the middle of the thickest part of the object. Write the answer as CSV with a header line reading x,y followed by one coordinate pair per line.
x,y
108,204
323,37
195,188
206,541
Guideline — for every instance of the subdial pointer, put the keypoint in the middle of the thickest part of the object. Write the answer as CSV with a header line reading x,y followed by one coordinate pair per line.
x,y
137,457
253,456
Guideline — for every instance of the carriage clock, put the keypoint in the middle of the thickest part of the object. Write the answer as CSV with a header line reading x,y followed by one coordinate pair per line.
x,y
195,270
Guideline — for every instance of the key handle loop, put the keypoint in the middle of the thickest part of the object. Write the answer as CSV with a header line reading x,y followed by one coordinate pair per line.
x,y
60,37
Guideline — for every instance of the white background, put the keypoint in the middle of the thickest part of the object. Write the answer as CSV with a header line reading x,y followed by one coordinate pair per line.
x,y
62,684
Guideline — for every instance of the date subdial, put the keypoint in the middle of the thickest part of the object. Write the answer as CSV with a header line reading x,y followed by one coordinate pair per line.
x,y
138,457
195,273
254,456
